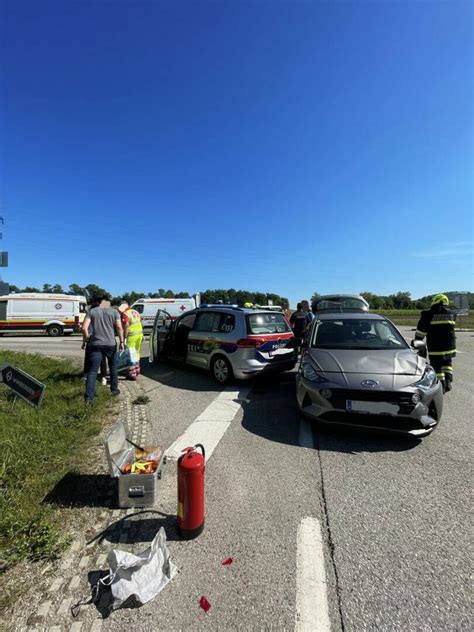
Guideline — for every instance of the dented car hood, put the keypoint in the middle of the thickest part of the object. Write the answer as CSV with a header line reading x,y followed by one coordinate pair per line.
x,y
374,362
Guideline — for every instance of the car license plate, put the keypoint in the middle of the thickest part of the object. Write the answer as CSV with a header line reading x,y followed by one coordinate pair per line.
x,y
376,408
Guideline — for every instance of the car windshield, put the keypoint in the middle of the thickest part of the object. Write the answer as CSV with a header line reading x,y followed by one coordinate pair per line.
x,y
353,333
267,323
340,303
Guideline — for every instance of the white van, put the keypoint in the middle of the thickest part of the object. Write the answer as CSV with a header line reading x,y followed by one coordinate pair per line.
x,y
147,308
55,314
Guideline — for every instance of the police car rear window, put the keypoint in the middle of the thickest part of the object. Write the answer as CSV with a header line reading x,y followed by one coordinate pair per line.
x,y
271,323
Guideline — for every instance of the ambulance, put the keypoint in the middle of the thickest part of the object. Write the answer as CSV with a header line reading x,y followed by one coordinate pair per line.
x,y
55,314
147,308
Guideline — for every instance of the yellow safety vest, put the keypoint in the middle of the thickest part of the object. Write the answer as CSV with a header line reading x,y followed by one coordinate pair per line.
x,y
134,322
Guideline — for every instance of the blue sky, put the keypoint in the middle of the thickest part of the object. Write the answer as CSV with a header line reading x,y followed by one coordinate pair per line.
x,y
288,147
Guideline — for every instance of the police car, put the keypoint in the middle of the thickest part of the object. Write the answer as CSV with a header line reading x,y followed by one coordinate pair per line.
x,y
227,340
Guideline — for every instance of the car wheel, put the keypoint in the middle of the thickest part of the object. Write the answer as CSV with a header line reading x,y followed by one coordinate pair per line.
x,y
221,370
55,331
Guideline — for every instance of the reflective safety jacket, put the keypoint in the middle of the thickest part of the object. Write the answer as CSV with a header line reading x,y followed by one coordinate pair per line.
x,y
437,324
134,322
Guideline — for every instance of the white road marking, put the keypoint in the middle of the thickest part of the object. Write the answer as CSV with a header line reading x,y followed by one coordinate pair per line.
x,y
312,611
305,435
212,424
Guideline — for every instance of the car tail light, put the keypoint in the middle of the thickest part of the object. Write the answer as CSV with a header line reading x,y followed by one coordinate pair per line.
x,y
250,342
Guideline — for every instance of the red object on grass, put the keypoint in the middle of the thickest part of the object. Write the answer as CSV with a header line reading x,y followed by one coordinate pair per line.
x,y
227,562
205,605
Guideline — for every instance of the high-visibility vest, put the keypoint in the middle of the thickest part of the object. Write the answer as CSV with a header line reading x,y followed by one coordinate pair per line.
x,y
134,322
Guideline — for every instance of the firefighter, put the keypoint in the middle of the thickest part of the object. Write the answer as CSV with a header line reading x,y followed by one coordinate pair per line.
x,y
133,333
437,324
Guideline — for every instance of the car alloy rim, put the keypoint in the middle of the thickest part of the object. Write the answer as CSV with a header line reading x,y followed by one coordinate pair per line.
x,y
220,370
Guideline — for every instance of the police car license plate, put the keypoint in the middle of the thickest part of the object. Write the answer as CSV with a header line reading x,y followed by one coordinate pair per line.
x,y
376,408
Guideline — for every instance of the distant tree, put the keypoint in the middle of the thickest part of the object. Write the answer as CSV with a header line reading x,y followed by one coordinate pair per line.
x,y
401,300
161,292
373,300
29,289
240,297
47,288
92,290
243,296
76,289
272,297
182,295
14,289
57,289
169,294
129,297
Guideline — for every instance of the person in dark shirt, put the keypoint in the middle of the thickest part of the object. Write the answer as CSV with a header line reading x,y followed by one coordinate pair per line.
x,y
437,324
299,324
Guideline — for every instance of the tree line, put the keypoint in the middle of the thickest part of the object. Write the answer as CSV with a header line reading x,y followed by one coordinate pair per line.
x,y
231,295
399,300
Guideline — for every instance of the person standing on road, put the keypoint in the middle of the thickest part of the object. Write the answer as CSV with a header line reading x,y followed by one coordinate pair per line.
x,y
306,308
103,364
437,324
299,324
99,329
133,335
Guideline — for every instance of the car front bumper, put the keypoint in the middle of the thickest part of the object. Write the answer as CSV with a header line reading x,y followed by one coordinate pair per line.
x,y
417,420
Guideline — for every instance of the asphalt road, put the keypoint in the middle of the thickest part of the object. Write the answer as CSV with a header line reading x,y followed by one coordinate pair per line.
x,y
394,513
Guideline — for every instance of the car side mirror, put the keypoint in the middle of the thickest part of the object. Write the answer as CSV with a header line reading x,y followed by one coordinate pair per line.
x,y
418,344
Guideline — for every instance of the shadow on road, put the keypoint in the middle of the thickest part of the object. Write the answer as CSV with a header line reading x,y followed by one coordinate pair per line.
x,y
181,376
273,414
140,529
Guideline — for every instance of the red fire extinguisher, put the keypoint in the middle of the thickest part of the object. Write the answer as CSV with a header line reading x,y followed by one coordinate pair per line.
x,y
191,468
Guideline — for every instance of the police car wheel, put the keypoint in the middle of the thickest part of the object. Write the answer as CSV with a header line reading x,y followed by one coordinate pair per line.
x,y
221,370
55,330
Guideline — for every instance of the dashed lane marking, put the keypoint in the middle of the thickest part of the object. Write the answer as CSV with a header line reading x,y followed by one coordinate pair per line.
x,y
211,425
312,611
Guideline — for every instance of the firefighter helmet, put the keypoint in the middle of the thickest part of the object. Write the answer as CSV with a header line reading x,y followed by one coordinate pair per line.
x,y
440,298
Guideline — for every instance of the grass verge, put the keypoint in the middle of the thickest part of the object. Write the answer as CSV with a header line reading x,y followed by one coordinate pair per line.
x,y
37,448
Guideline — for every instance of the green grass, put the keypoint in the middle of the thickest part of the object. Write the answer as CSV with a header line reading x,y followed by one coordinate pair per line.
x,y
37,448
410,317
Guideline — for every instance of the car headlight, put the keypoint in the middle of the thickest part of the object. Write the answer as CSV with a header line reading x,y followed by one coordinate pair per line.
x,y
308,371
428,380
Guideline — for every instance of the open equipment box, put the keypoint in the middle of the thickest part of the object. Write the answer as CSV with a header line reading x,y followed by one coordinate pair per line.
x,y
137,484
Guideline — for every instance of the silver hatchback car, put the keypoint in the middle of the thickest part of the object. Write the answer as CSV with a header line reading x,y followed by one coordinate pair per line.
x,y
226,340
358,370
